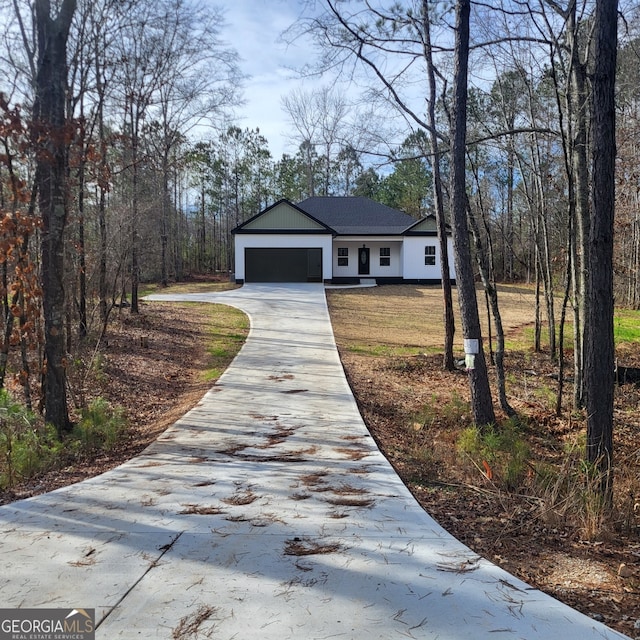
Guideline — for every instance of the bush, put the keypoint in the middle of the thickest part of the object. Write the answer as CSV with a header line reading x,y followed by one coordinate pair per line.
x,y
27,445
499,453
100,427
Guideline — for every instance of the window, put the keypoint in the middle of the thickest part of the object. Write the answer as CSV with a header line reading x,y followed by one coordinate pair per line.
x,y
343,256
385,256
430,255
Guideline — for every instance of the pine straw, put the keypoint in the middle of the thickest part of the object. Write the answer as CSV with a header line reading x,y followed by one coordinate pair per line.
x,y
308,547
189,626
240,499
200,510
351,502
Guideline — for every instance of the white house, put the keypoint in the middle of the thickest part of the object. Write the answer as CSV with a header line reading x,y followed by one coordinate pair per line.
x,y
338,240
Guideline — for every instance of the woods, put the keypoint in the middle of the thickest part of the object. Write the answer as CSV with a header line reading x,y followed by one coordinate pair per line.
x,y
123,162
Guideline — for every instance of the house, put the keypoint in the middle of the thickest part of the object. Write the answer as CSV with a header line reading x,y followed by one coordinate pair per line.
x,y
338,240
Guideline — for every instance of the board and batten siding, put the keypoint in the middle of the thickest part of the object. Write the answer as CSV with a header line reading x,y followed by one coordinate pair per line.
x,y
283,216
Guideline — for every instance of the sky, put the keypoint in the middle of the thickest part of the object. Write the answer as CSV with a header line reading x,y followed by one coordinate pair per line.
x,y
254,28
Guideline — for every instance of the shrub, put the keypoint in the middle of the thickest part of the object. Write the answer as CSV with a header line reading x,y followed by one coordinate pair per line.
x,y
27,445
500,454
101,427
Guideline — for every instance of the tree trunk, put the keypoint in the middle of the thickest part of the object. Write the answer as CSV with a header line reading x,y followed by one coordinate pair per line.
x,y
103,172
49,136
599,344
164,222
578,115
484,259
135,267
481,401
25,374
537,332
81,249
508,249
547,281
449,321
102,231
8,324
563,314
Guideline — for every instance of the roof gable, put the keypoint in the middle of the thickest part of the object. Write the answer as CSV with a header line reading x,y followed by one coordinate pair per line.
x,y
282,216
424,226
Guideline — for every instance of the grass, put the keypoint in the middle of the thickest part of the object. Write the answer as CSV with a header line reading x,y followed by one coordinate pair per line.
x,y
626,330
526,339
228,327
384,350
407,319
186,287
626,326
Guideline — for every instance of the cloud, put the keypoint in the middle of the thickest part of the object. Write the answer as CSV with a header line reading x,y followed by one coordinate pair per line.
x,y
253,29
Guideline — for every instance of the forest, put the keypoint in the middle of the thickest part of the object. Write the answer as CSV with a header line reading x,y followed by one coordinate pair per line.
x,y
122,161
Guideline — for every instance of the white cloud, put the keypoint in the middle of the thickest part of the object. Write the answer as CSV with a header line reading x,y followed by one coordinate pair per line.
x,y
254,28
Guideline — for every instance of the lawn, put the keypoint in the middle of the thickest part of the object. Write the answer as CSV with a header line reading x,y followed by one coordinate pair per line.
x,y
408,319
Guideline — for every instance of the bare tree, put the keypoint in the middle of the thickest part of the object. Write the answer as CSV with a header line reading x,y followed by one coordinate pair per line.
x,y
481,402
449,321
200,83
599,344
320,118
50,136
145,54
392,45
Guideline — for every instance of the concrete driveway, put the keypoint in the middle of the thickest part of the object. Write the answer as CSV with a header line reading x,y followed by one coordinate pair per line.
x,y
266,512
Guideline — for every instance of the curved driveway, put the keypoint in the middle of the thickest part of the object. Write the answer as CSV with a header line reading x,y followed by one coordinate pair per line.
x,y
266,512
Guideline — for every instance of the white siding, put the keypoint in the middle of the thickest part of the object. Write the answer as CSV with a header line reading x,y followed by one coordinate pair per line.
x,y
413,259
246,240
394,270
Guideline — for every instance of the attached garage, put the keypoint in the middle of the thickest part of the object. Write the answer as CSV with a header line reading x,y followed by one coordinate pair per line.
x,y
284,264
283,244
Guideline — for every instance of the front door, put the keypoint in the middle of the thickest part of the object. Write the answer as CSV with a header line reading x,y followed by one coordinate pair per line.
x,y
363,261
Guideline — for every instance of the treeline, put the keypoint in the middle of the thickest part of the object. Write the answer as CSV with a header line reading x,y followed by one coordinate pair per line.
x,y
157,172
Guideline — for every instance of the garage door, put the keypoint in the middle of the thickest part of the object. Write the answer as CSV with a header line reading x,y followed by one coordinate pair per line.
x,y
283,265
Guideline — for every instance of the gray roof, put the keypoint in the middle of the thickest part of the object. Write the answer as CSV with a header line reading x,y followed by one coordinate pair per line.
x,y
356,215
